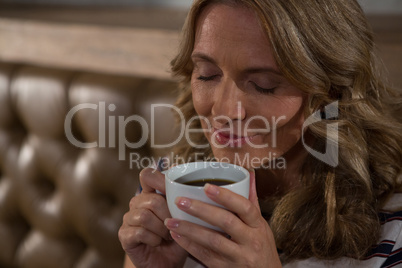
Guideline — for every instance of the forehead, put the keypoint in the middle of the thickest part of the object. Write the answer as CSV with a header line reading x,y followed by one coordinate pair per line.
x,y
236,27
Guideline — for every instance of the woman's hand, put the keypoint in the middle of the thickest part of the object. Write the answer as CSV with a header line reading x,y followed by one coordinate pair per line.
x,y
251,242
143,235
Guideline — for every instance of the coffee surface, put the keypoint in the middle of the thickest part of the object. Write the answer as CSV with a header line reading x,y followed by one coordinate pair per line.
x,y
202,182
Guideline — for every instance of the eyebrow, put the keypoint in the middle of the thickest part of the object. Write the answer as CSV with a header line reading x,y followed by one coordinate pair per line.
x,y
203,57
250,70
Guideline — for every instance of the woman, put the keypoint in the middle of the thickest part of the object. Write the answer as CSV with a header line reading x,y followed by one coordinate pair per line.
x,y
244,64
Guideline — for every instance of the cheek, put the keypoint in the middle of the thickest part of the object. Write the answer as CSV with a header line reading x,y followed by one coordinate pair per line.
x,y
289,130
202,104
288,112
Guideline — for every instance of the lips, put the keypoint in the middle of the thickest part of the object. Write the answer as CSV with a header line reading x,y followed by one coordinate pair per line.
x,y
229,139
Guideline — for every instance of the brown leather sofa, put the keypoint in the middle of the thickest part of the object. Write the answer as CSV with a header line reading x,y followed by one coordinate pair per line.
x,y
61,205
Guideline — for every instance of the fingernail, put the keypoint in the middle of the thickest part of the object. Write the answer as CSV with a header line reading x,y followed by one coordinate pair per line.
x,y
175,235
183,202
211,189
171,223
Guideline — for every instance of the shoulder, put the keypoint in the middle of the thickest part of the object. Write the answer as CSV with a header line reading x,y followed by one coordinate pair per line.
x,y
394,204
389,247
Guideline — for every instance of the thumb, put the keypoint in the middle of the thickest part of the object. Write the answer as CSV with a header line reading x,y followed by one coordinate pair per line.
x,y
253,189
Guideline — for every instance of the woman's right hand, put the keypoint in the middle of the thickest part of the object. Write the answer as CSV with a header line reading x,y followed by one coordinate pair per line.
x,y
143,235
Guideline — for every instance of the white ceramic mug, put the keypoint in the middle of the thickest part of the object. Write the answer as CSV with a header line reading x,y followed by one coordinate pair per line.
x,y
201,170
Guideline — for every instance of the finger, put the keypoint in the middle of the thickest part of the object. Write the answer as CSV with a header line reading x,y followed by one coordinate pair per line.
x,y
227,221
151,180
203,243
153,202
132,237
147,220
246,210
203,255
253,189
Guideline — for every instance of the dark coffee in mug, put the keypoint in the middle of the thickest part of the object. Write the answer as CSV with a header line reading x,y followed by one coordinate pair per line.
x,y
202,182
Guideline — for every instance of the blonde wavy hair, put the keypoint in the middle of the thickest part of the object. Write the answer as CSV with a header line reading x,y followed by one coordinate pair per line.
x,y
326,49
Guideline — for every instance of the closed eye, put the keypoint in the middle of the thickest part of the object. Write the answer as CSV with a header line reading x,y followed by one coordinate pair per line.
x,y
264,90
207,78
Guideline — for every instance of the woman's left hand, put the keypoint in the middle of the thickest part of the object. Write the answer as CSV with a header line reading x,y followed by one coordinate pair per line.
x,y
251,242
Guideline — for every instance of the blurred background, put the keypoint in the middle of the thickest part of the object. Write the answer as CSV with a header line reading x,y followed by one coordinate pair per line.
x,y
61,205
164,16
370,6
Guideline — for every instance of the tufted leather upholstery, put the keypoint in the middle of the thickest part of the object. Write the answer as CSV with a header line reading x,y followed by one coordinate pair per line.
x,y
61,205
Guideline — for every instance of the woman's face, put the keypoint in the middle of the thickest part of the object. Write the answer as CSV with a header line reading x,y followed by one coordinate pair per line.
x,y
249,112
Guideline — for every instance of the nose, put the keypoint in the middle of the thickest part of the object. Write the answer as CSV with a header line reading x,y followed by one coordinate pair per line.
x,y
228,104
